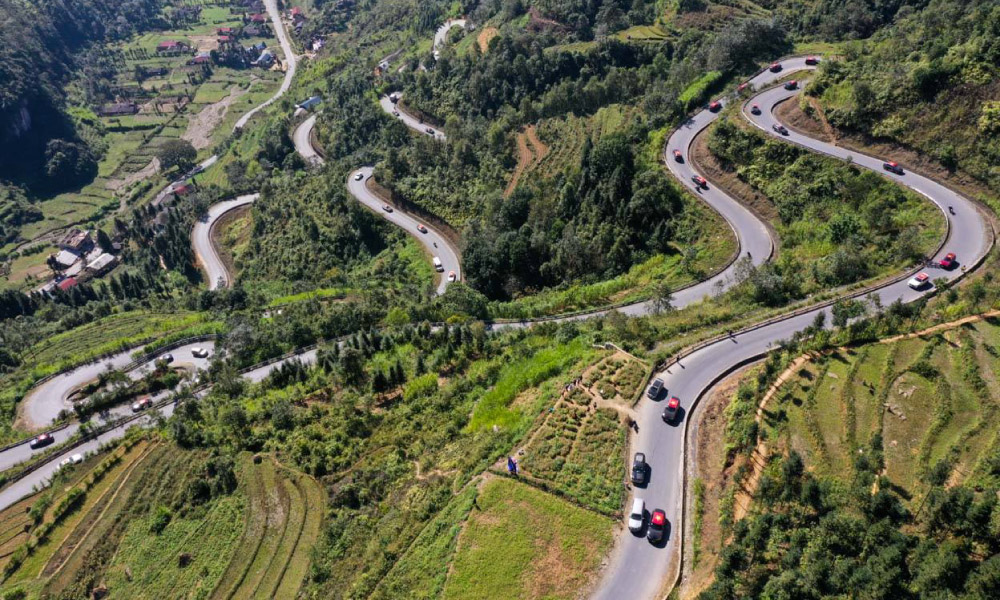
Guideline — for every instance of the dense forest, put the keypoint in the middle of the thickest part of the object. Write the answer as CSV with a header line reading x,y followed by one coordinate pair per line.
x,y
43,41
930,81
610,208
818,540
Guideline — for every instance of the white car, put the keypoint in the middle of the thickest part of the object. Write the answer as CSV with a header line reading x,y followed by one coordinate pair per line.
x,y
386,208
919,281
636,516
359,177
421,228
199,352
76,459
451,276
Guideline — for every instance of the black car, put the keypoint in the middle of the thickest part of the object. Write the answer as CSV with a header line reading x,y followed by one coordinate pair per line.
x,y
657,526
654,390
41,441
893,167
780,129
791,85
639,469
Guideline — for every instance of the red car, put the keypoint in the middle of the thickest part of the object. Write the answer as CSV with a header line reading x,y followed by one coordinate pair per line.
x,y
41,441
948,262
421,228
678,156
143,403
742,86
775,67
700,181
672,409
715,106
812,60
791,85
657,526
893,167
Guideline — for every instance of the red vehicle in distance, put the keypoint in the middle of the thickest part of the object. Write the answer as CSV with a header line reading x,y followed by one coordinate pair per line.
x,y
672,409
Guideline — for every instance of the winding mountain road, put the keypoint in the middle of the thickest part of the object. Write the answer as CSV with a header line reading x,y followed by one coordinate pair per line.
x,y
409,120
637,569
201,238
441,35
433,241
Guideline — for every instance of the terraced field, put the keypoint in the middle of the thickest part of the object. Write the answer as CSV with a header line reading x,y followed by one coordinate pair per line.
x,y
131,530
282,525
563,138
933,399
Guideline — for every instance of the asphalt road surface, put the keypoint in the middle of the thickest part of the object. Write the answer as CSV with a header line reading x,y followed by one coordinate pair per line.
x,y
435,243
441,35
410,121
204,249
290,62
638,569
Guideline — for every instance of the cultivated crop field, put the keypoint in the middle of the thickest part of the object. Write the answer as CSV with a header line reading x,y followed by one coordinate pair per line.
x,y
129,523
579,446
932,398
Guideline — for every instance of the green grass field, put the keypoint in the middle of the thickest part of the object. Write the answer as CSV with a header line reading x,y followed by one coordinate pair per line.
x,y
494,407
524,543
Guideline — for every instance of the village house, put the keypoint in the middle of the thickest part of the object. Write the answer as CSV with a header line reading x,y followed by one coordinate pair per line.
x,y
257,31
265,60
145,71
118,109
258,18
172,47
67,283
77,241
65,259
309,103
202,58
103,263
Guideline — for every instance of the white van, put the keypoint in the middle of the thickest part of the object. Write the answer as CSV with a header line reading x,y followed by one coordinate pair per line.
x,y
437,265
636,515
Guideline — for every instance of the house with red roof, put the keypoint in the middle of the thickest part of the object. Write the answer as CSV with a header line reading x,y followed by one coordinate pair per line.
x,y
172,47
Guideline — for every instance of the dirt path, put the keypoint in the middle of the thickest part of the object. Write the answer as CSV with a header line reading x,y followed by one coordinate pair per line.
x,y
530,151
201,126
487,34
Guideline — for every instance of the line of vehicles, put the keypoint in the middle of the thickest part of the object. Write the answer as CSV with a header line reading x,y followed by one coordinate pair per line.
x,y
657,525
143,403
438,266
